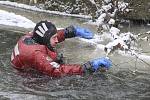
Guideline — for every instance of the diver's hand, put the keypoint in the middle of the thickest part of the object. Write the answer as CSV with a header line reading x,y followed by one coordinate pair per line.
x,y
83,33
101,62
96,64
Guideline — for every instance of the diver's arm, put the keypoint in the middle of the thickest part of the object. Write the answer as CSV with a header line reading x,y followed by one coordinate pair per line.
x,y
68,32
73,31
48,66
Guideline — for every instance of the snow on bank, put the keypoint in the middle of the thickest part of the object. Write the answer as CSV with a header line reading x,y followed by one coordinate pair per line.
x,y
34,8
11,19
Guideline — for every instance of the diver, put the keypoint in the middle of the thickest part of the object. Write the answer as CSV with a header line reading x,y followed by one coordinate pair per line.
x,y
37,50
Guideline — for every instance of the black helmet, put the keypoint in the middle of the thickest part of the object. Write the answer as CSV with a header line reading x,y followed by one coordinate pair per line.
x,y
42,33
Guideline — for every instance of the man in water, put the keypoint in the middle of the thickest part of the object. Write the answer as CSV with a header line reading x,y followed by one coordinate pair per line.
x,y
36,50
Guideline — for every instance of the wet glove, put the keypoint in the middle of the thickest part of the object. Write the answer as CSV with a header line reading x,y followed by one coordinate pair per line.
x,y
73,31
96,64
83,33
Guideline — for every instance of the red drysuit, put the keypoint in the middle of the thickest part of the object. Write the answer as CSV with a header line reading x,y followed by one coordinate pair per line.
x,y
33,55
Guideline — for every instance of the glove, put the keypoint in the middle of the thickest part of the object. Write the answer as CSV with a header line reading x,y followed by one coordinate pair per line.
x,y
101,62
96,64
83,33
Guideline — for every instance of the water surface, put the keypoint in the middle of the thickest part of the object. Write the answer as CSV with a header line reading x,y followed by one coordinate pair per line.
x,y
120,83
128,79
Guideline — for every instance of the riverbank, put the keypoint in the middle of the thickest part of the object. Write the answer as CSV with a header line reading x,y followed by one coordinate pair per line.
x,y
139,9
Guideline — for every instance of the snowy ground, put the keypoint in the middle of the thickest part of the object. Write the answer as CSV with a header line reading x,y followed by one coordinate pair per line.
x,y
11,19
34,8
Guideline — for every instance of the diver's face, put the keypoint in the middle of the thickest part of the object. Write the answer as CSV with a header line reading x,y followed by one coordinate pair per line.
x,y
54,40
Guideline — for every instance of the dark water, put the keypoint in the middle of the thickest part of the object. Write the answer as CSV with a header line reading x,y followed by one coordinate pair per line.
x,y
122,84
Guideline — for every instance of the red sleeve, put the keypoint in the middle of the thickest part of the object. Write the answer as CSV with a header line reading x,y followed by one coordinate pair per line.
x,y
61,35
47,66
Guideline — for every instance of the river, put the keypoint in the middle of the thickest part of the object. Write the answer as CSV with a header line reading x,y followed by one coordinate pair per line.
x,y
128,79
